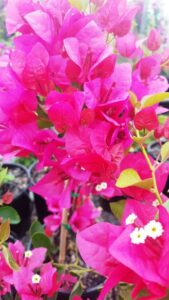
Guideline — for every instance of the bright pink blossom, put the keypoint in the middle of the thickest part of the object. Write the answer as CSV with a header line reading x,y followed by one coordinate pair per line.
x,y
116,17
154,40
109,250
5,275
33,260
84,216
52,223
33,286
126,45
146,119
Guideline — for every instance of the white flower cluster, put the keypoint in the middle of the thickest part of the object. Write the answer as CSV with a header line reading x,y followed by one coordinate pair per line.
x,y
101,186
153,229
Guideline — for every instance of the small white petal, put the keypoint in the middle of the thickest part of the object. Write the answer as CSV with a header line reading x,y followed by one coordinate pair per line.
x,y
154,229
98,188
131,219
28,254
138,236
36,278
104,185
155,203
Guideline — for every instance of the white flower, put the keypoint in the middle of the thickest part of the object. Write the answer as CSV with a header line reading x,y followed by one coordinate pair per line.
x,y
101,186
154,229
98,188
104,185
36,278
138,236
28,254
130,219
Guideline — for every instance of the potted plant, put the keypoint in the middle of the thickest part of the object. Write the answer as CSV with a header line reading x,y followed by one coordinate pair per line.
x,y
21,201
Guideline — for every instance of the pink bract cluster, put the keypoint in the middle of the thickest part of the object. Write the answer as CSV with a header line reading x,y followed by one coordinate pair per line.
x,y
72,92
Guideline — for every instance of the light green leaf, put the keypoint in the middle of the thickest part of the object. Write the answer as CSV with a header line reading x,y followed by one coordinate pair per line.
x,y
154,99
130,177
7,212
9,259
165,151
117,208
4,231
127,178
146,184
133,99
3,174
166,205
80,4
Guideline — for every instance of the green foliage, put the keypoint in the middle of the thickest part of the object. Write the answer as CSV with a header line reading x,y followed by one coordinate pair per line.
x,y
154,99
165,151
4,176
130,177
4,231
36,227
7,212
117,208
41,240
9,259
77,290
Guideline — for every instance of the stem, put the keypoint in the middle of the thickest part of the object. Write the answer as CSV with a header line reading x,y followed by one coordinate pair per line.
x,y
152,171
63,236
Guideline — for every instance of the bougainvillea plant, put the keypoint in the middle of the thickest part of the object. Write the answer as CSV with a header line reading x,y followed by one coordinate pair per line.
x,y
80,91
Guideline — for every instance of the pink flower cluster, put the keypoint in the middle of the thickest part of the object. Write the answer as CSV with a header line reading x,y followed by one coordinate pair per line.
x,y
32,279
134,252
69,95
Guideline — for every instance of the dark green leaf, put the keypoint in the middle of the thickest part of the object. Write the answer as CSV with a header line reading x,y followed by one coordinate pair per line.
x,y
41,240
77,290
36,227
8,212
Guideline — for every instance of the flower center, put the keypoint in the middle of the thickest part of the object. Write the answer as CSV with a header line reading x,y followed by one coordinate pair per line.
x,y
36,279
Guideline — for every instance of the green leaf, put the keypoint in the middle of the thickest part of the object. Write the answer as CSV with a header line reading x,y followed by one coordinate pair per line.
x,y
9,259
117,208
165,151
130,177
3,174
133,99
127,178
41,240
4,231
166,205
36,227
43,120
77,290
154,99
8,212
146,184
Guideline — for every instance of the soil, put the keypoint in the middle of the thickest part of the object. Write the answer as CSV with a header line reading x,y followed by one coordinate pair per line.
x,y
19,182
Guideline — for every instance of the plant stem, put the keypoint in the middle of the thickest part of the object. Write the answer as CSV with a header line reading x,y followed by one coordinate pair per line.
x,y
152,171
63,236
